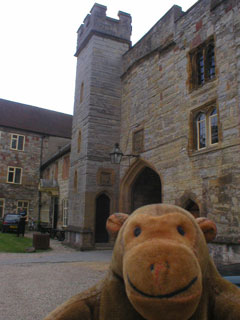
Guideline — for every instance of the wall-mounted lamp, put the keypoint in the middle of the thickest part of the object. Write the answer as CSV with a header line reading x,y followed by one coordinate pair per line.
x,y
116,154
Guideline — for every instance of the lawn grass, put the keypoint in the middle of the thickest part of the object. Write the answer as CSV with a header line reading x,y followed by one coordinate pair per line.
x,y
9,242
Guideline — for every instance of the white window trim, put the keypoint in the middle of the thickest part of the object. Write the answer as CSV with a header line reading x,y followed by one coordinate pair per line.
x,y
13,182
17,142
208,132
198,134
3,200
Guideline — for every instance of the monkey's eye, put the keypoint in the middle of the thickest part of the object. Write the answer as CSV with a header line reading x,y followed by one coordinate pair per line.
x,y
137,231
180,230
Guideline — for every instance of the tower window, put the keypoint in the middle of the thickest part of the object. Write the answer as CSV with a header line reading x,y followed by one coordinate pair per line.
x,y
202,64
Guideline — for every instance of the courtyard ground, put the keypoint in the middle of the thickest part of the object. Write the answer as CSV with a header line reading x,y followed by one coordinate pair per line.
x,y
33,284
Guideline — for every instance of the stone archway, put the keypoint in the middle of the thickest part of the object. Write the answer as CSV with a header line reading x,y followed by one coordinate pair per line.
x,y
193,208
102,213
141,185
146,189
190,202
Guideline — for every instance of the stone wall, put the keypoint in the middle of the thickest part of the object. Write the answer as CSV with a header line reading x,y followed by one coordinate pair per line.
x,y
157,98
96,123
29,161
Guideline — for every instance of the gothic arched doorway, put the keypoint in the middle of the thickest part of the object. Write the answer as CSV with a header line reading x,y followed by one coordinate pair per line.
x,y
102,213
146,189
193,208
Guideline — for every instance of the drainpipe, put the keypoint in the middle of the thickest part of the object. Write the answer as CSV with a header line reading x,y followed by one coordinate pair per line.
x,y
39,192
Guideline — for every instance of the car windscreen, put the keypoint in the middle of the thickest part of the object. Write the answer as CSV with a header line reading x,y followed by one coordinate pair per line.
x,y
11,217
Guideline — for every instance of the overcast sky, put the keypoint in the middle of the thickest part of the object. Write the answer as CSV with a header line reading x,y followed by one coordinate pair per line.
x,y
38,42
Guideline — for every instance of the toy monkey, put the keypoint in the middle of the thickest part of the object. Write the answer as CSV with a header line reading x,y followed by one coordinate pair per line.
x,y
160,270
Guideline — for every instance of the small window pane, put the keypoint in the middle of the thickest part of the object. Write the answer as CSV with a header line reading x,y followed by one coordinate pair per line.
x,y
214,126
10,174
201,131
200,68
17,175
211,61
20,142
14,142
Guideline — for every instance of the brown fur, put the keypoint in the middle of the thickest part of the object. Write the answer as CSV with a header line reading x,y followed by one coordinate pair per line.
x,y
160,270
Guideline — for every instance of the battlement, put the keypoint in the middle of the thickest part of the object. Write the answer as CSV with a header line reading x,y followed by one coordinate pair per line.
x,y
97,22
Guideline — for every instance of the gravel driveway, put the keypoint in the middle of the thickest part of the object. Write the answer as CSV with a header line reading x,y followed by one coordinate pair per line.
x,y
33,284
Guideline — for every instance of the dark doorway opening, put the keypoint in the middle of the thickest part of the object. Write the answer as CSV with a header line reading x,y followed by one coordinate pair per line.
x,y
146,189
193,208
102,213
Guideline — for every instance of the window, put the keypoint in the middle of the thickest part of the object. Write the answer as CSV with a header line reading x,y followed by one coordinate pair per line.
x,y
2,206
79,141
14,175
65,212
75,182
17,142
65,167
206,128
81,92
23,205
202,60
138,141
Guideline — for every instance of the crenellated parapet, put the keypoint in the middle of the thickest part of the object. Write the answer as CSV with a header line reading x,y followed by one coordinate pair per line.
x,y
98,23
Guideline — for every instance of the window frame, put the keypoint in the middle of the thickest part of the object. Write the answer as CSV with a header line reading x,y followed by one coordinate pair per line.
x,y
207,112
65,212
208,63
16,139
14,175
2,206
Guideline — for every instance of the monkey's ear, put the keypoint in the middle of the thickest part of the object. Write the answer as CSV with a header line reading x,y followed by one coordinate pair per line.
x,y
208,227
115,222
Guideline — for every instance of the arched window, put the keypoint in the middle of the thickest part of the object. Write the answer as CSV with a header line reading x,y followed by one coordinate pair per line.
x,y
201,131
206,124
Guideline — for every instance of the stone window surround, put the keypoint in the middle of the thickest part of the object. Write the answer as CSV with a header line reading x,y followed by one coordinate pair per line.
x,y
15,139
13,171
108,171
134,134
2,207
207,108
193,74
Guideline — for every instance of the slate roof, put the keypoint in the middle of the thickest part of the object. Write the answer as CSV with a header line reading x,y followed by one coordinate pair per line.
x,y
29,118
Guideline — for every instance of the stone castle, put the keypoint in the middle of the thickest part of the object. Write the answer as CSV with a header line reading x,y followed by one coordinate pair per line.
x,y
171,101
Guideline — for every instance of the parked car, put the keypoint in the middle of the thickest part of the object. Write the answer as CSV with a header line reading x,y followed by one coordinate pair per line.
x,y
10,222
234,279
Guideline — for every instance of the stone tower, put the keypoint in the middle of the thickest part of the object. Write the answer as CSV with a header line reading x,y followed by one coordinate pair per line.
x,y
96,125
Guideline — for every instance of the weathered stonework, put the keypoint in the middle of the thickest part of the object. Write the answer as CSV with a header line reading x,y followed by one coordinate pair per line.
x,y
101,44
149,88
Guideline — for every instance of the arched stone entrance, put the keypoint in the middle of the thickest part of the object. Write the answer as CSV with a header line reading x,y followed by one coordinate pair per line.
x,y
146,189
192,207
189,202
141,185
102,213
